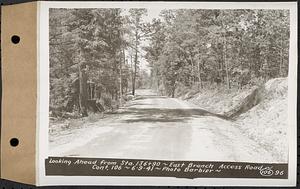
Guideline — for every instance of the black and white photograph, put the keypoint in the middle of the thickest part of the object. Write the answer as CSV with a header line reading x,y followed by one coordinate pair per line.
x,y
184,84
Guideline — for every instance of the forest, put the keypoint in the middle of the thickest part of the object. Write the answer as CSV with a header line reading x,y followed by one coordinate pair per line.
x,y
96,55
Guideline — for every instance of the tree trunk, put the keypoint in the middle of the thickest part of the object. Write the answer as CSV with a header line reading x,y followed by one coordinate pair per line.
x,y
132,72
193,72
240,56
199,76
226,66
135,64
173,88
157,79
281,56
121,87
83,94
116,92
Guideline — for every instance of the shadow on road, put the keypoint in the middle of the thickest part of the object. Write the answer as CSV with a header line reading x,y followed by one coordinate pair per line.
x,y
149,96
136,104
165,115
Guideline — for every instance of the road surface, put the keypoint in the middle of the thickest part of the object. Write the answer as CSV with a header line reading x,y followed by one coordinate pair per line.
x,y
162,128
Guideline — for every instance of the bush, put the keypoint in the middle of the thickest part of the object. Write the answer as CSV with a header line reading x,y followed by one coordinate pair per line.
x,y
107,101
94,117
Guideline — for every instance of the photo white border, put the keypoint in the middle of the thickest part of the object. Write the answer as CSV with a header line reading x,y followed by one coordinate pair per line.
x,y
43,99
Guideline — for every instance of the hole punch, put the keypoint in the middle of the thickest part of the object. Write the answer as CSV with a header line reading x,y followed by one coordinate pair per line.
x,y
14,142
15,39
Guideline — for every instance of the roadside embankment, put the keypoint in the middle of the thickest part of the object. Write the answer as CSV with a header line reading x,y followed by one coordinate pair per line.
x,y
260,112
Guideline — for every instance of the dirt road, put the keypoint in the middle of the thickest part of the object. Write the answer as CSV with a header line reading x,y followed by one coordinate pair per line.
x,y
158,127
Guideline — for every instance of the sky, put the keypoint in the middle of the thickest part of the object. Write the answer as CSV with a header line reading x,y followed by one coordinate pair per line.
x,y
152,13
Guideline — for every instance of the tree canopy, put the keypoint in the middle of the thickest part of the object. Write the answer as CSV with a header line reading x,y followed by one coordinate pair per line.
x,y
230,47
95,54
